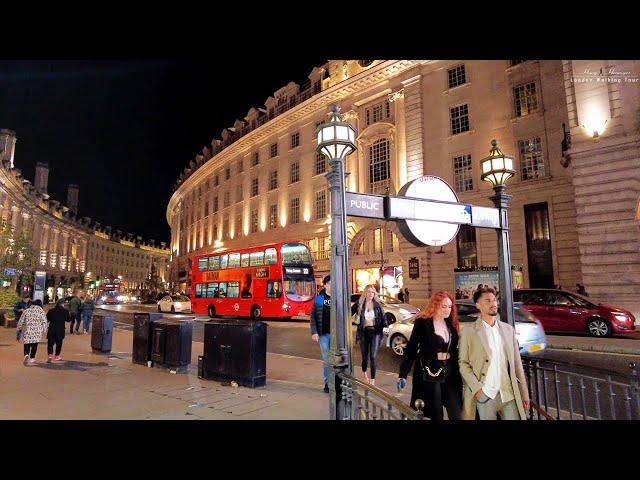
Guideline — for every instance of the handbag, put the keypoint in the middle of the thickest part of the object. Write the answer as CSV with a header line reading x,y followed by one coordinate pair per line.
x,y
435,373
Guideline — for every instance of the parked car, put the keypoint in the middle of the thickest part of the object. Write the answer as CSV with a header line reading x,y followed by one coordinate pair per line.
x,y
174,303
563,311
393,309
529,330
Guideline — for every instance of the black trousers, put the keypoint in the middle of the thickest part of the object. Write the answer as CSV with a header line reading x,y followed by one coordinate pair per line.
x,y
58,344
30,349
75,316
447,394
369,349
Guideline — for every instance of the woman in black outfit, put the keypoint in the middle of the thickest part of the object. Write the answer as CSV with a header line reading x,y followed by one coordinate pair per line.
x,y
434,345
57,317
370,329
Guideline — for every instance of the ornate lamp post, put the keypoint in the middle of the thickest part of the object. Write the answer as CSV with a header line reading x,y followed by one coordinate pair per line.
x,y
336,140
497,168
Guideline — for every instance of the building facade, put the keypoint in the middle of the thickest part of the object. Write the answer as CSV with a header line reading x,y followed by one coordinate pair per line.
x,y
264,182
71,250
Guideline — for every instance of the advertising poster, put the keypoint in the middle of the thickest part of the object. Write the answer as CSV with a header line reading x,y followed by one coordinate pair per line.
x,y
38,286
466,283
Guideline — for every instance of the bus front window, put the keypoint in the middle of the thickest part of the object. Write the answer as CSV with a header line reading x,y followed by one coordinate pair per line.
x,y
299,290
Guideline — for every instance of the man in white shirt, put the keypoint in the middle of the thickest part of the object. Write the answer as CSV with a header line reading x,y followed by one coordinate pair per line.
x,y
490,365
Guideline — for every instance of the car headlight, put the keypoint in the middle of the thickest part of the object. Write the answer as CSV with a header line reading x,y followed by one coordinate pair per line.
x,y
621,317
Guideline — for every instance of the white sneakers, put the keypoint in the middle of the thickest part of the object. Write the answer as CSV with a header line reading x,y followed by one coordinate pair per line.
x,y
26,360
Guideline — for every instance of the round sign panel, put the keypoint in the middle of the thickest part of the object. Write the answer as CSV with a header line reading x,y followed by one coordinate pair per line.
x,y
422,232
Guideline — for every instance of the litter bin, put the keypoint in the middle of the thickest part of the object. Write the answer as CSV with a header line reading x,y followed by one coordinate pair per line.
x,y
236,350
171,345
143,336
101,333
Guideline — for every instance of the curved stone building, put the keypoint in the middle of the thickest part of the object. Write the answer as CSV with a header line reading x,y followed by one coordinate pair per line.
x,y
263,181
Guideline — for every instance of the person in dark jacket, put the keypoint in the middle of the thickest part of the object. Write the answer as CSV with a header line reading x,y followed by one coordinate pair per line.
x,y
86,309
321,326
21,306
57,317
74,311
434,345
370,329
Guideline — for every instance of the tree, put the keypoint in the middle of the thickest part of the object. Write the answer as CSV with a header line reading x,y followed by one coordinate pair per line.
x,y
17,256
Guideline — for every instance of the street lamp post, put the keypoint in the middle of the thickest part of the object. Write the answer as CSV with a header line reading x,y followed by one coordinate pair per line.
x,y
336,140
497,168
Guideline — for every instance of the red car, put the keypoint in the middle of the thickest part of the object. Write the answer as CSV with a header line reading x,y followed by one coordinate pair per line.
x,y
563,311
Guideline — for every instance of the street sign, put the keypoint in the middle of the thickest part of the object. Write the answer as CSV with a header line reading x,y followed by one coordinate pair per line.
x,y
419,209
485,217
369,206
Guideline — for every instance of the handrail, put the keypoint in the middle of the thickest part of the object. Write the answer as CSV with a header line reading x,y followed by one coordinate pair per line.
x,y
373,403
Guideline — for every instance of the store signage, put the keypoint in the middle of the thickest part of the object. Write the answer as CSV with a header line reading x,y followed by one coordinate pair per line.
x,y
369,206
422,232
414,268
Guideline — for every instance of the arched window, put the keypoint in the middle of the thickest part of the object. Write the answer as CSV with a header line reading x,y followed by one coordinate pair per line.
x,y
379,167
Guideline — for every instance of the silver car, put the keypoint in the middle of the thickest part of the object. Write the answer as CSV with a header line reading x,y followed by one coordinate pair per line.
x,y
394,310
529,331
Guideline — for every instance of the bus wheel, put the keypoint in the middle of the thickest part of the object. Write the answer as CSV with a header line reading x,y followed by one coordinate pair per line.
x,y
211,311
256,312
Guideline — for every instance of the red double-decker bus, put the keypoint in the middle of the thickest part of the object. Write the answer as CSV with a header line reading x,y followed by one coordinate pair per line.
x,y
270,281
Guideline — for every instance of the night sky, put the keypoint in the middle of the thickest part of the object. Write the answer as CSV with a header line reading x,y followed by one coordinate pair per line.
x,y
124,130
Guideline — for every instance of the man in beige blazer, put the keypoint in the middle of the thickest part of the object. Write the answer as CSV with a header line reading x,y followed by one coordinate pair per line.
x,y
490,365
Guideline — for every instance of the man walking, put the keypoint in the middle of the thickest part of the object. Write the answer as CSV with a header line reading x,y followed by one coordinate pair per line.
x,y
74,311
321,325
491,366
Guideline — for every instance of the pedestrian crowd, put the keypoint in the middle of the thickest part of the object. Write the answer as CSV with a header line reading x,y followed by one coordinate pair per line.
x,y
33,322
472,373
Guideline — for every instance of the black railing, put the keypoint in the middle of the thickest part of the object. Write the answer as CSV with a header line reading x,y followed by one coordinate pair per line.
x,y
361,401
558,393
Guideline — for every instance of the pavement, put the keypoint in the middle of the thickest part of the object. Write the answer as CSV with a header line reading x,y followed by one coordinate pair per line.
x,y
97,386
628,345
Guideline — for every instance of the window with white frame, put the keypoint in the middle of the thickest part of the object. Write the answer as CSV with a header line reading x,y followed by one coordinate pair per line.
x,y
459,119
254,221
239,229
321,204
456,76
295,140
463,173
321,163
379,166
273,150
525,98
273,216
238,193
377,113
294,172
294,211
531,158
273,179
254,186
255,159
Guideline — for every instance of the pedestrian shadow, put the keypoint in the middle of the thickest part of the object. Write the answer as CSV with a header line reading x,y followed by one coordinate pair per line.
x,y
73,365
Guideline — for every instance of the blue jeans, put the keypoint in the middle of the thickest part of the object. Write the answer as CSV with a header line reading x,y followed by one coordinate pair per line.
x,y
86,320
324,342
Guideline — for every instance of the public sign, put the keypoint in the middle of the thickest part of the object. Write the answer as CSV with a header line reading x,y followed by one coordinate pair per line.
x,y
422,232
369,206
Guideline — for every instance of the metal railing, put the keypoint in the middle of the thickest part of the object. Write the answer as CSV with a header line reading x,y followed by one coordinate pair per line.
x,y
559,394
361,401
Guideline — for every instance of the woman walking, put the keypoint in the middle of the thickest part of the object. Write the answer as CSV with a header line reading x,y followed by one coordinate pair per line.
x,y
433,352
57,317
370,329
31,325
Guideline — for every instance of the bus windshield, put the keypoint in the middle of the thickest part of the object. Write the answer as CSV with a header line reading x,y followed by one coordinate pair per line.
x,y
295,254
299,290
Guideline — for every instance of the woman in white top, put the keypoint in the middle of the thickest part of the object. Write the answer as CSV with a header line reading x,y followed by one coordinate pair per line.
x,y
370,329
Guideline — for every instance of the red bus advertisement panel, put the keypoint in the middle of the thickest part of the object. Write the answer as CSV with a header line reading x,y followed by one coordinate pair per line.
x,y
268,281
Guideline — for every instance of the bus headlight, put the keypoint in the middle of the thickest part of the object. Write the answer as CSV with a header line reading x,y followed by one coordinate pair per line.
x,y
286,307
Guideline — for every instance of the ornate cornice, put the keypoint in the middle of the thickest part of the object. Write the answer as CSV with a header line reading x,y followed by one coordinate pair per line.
x,y
396,95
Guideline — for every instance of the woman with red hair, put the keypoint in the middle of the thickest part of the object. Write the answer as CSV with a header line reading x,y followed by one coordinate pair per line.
x,y
433,352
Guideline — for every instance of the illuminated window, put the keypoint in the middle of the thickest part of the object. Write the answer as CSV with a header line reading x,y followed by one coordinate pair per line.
x,y
463,173
459,119
321,204
294,211
526,100
273,216
238,226
254,221
379,167
456,76
378,112
63,262
53,257
254,186
531,158
43,257
294,172
321,163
